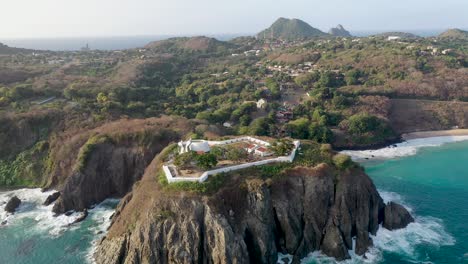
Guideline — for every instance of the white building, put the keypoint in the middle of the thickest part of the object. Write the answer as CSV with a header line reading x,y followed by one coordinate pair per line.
x,y
390,38
194,145
263,152
261,104
227,124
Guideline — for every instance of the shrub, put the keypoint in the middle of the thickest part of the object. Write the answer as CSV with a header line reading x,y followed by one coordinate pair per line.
x,y
206,161
185,159
282,147
236,154
342,161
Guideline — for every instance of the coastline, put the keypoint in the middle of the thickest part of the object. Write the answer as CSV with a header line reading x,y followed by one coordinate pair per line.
x,y
410,145
435,133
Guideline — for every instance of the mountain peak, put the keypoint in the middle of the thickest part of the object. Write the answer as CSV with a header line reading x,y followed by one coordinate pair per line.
x,y
285,28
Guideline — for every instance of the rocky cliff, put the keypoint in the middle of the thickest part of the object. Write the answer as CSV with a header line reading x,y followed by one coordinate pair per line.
x,y
107,161
249,220
339,31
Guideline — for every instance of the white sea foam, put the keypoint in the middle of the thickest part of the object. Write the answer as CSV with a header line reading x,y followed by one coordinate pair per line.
x,y
46,223
31,207
425,230
101,216
403,149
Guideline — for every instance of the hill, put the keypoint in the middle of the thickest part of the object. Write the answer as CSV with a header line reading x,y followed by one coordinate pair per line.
x,y
397,34
454,34
290,29
339,31
199,43
5,50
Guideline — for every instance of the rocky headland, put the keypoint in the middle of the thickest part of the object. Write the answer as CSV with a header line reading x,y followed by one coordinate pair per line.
x,y
250,219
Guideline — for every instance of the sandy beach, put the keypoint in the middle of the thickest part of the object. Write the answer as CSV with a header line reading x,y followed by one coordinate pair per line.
x,y
438,133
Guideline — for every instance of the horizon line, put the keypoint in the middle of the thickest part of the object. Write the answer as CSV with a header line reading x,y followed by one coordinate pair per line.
x,y
221,34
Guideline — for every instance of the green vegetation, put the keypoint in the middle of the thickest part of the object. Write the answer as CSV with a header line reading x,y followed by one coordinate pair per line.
x,y
282,147
339,91
342,161
206,161
312,154
290,29
27,169
366,128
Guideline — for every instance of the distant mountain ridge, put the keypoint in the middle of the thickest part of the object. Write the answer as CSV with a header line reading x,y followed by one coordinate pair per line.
x,y
339,31
290,29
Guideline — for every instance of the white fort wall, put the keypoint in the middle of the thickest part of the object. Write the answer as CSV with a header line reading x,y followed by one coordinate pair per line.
x,y
171,178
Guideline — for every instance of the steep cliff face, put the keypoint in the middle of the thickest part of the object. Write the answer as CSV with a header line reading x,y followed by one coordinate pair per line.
x,y
249,220
107,162
19,132
110,172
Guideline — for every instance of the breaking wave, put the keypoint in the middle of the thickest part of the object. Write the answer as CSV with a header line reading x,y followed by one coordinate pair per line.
x,y
425,230
407,148
45,223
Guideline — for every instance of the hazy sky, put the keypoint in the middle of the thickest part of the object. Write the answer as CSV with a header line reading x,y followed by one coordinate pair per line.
x,y
68,18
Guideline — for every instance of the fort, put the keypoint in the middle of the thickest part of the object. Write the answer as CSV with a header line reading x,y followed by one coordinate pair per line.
x,y
258,151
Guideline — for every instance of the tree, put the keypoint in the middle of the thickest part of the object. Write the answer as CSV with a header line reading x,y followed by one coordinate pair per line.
x,y
236,154
363,123
352,77
218,152
320,133
260,127
206,161
298,128
367,128
282,147
184,160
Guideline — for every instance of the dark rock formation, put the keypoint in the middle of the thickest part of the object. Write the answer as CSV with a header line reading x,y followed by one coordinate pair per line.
x,y
396,217
339,31
248,221
12,204
82,217
51,198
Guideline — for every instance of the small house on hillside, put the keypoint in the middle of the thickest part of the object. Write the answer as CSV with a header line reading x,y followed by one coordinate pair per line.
x,y
263,152
261,104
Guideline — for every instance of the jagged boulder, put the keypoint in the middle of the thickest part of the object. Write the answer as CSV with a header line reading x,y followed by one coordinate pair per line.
x,y
12,204
51,198
396,217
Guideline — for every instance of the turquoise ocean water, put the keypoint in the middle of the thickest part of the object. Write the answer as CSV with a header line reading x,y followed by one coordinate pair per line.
x,y
432,182
429,178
